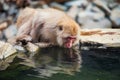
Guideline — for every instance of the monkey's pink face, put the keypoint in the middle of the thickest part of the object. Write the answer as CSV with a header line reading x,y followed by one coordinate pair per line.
x,y
69,41
67,36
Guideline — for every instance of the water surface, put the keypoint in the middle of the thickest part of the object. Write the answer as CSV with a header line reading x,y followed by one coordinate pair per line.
x,y
64,64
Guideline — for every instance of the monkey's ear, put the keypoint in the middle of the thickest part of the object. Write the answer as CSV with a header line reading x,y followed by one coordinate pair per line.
x,y
24,16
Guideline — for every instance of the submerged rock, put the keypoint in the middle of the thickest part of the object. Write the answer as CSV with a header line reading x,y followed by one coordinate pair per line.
x,y
4,64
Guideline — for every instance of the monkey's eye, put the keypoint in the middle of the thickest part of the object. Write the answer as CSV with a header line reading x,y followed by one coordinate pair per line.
x,y
60,28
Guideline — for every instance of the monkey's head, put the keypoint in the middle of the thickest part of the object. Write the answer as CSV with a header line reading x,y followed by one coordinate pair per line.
x,y
68,32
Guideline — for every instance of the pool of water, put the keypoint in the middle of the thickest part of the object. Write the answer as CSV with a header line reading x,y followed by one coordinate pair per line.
x,y
64,64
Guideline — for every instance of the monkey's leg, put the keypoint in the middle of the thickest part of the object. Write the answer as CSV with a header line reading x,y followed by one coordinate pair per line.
x,y
43,44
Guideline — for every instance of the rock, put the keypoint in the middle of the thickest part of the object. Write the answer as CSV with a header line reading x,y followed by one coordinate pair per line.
x,y
91,13
31,47
93,17
58,6
2,17
113,5
1,35
93,20
12,10
115,16
19,48
11,31
77,3
73,11
6,50
91,24
5,6
94,11
3,25
5,63
103,5
106,37
41,4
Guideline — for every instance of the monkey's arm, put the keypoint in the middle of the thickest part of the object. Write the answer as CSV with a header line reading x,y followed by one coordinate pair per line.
x,y
44,44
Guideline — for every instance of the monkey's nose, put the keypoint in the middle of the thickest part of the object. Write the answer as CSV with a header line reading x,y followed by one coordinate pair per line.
x,y
71,38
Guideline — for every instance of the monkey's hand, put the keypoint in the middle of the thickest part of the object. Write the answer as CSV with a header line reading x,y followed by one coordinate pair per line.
x,y
23,40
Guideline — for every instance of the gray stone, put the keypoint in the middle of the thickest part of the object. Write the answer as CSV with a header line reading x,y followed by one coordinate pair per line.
x,y
91,24
115,16
102,4
58,6
113,5
1,35
12,10
77,3
73,11
11,31
3,25
6,50
88,15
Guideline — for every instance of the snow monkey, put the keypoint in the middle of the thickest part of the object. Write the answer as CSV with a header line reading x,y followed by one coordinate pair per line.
x,y
47,27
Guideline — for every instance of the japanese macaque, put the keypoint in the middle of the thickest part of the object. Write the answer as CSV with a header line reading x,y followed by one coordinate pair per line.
x,y
46,27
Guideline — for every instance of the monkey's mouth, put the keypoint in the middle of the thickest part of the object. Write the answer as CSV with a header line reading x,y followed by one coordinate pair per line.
x,y
69,41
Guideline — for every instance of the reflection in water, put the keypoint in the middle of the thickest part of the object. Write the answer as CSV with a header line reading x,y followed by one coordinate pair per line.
x,y
54,60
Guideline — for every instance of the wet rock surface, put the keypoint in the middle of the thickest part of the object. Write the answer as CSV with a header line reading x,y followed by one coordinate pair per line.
x,y
6,50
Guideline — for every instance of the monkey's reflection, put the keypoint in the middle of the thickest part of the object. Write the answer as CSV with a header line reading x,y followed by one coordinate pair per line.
x,y
56,60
